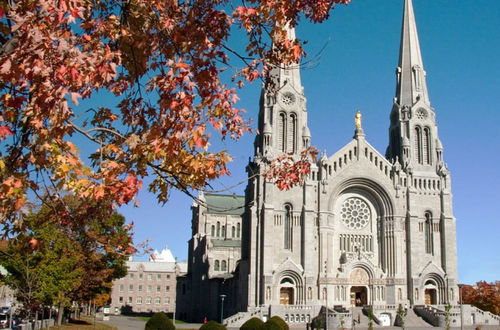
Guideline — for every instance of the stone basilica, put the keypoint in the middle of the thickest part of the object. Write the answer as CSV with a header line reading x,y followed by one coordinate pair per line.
x,y
365,229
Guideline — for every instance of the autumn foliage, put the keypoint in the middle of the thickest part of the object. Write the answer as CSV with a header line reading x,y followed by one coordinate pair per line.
x,y
483,295
155,68
72,254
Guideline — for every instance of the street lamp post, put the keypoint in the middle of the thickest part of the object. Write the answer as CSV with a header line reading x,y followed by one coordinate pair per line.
x,y
222,296
174,313
461,307
326,296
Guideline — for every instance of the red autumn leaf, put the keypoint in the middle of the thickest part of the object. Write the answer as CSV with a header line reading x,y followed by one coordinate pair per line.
x,y
5,131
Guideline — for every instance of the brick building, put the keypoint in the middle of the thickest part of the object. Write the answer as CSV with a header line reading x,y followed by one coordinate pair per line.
x,y
149,286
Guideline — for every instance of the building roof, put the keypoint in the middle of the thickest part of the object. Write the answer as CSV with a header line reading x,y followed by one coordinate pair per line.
x,y
150,266
225,204
164,256
183,267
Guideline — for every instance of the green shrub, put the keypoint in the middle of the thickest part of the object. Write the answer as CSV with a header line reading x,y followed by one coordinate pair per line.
x,y
159,321
271,325
318,322
280,321
212,325
253,324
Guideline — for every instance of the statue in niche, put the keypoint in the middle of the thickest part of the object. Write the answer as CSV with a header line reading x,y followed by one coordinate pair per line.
x,y
268,293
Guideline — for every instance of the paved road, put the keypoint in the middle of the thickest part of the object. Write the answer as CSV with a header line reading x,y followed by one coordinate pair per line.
x,y
136,323
125,322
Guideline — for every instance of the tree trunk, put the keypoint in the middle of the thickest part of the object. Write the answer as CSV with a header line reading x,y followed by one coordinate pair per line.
x,y
60,312
36,319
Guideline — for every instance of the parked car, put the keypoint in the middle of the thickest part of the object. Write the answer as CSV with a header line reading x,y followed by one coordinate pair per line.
x,y
4,321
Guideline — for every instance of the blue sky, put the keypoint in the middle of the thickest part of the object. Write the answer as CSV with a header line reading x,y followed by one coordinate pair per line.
x,y
460,43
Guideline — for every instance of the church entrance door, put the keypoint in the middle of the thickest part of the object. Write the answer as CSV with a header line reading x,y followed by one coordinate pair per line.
x,y
430,296
359,296
286,296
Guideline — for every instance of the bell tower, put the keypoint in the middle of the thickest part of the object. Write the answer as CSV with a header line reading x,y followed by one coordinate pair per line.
x,y
283,115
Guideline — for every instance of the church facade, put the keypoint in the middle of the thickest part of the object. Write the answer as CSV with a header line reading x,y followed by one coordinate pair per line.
x,y
364,229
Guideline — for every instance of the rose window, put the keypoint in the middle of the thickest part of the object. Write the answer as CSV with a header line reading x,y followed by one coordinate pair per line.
x,y
355,213
421,114
288,99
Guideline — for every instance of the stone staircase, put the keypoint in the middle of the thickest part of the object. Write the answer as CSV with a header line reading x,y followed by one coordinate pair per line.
x,y
412,320
360,320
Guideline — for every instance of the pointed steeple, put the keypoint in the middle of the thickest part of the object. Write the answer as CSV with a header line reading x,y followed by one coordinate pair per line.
x,y
413,133
283,115
411,86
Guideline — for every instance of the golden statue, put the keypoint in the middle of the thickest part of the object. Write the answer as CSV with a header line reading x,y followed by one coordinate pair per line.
x,y
357,119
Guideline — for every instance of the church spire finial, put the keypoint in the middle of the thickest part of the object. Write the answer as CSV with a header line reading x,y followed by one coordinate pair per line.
x,y
411,86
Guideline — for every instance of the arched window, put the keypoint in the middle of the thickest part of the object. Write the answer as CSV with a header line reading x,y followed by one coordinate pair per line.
x,y
224,231
427,146
223,265
429,241
216,265
233,232
213,231
282,132
218,228
418,144
288,227
292,134
238,229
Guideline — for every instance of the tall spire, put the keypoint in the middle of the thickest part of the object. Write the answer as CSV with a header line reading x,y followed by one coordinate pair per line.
x,y
411,75
413,133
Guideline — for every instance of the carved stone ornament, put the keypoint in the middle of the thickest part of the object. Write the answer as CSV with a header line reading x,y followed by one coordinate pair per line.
x,y
288,99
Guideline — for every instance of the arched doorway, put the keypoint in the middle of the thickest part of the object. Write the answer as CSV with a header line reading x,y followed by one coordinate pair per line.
x,y
430,293
359,296
287,290
359,280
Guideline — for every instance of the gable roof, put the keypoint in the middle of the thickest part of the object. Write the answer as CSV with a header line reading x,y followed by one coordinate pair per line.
x,y
225,204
